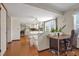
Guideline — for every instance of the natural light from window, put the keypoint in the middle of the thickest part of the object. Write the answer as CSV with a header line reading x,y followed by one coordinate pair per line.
x,y
45,18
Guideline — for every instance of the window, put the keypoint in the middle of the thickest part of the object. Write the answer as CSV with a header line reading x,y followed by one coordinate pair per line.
x,y
49,25
76,22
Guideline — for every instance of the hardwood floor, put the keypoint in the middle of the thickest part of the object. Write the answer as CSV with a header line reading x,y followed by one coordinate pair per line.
x,y
23,48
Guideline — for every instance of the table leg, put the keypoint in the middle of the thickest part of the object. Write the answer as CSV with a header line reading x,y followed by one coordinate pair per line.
x,y
58,48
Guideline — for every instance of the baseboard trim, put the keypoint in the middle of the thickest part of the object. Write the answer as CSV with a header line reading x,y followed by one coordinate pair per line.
x,y
16,40
9,42
44,50
13,40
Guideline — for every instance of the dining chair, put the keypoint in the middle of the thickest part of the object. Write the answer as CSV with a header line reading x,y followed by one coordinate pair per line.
x,y
71,43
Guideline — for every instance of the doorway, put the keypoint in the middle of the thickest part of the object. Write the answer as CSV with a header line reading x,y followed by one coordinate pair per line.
x,y
23,29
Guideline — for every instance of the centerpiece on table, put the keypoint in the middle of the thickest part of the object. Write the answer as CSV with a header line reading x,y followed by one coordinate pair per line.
x,y
57,31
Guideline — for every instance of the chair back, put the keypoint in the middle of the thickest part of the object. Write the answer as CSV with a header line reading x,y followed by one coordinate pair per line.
x,y
73,39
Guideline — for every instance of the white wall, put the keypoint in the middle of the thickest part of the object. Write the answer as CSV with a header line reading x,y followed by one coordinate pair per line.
x,y
3,30
61,23
8,28
69,18
15,28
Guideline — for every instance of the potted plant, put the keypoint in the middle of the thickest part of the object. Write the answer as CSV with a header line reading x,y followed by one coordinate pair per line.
x,y
56,31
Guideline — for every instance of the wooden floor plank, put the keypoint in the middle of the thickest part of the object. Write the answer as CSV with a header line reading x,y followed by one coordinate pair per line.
x,y
23,48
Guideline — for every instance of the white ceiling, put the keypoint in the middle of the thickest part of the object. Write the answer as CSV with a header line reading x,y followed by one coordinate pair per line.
x,y
60,7
24,10
31,11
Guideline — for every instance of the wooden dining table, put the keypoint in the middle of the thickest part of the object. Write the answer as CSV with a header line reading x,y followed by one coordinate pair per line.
x,y
54,41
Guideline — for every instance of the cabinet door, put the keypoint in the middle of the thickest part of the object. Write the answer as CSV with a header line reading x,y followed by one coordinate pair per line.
x,y
3,30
